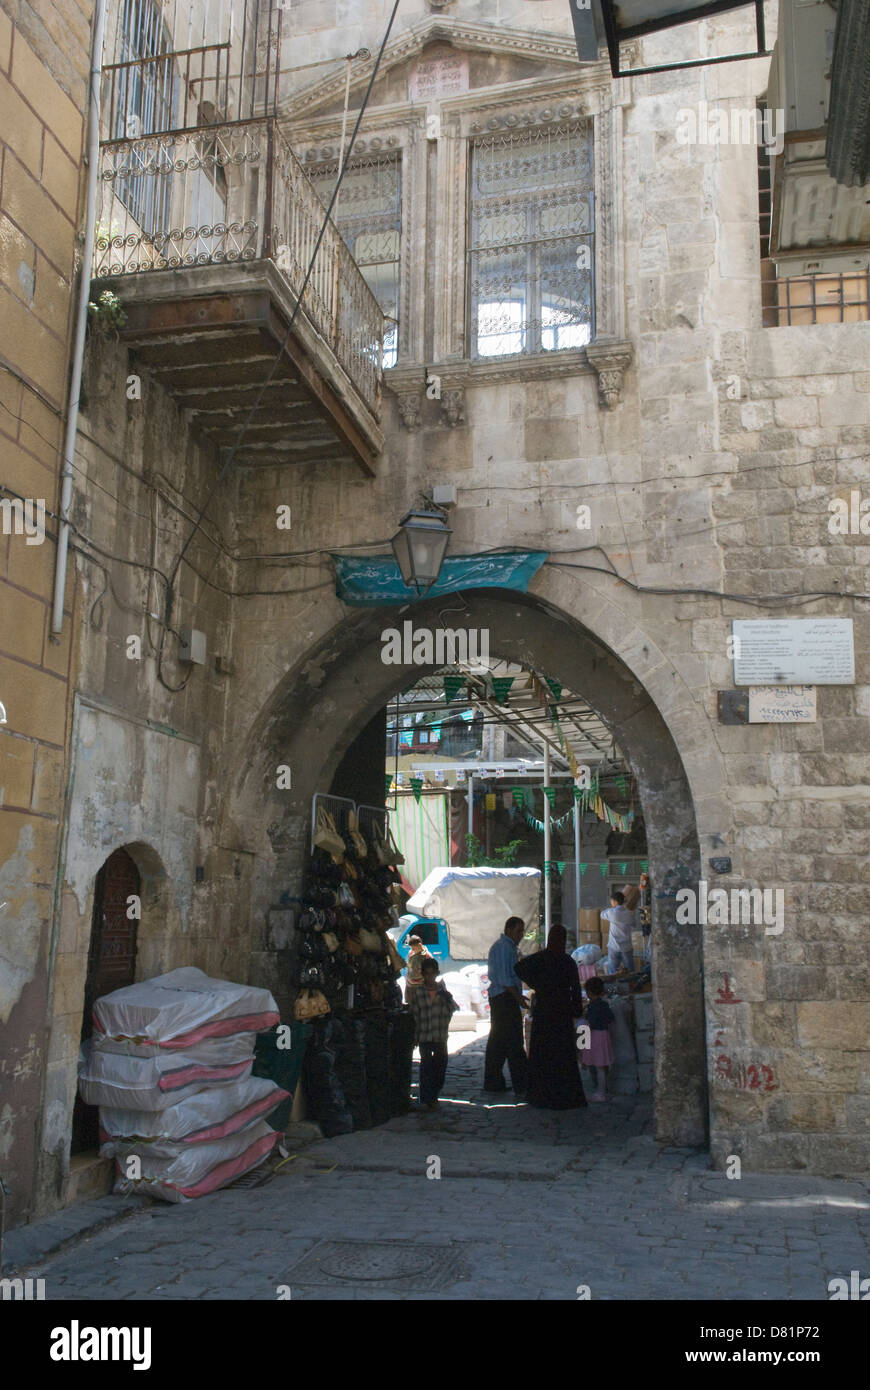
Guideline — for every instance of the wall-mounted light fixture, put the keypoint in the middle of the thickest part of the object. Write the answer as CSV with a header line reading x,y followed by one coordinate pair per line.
x,y
419,546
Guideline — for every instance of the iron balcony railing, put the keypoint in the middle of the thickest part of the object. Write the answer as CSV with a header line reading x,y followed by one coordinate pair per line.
x,y
236,192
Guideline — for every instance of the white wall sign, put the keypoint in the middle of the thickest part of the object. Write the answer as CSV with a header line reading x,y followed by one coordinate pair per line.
x,y
782,704
794,651
445,75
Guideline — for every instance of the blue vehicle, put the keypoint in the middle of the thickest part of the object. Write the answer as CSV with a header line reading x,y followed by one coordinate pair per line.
x,y
432,931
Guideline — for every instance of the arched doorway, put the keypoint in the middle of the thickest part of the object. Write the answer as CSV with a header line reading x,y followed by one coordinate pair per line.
x,y
321,705
111,964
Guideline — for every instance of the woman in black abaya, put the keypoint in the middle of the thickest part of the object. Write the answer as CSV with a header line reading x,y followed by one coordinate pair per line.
x,y
554,1076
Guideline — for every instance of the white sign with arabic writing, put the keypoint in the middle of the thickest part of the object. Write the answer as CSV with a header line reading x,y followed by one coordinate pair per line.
x,y
782,704
793,651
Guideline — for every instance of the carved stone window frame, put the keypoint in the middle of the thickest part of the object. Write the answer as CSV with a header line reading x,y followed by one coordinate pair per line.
x,y
476,115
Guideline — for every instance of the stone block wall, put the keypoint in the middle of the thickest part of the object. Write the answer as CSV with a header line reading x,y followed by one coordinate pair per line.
x,y
43,67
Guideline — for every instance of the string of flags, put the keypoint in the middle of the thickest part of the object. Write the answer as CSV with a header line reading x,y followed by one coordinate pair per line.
x,y
588,798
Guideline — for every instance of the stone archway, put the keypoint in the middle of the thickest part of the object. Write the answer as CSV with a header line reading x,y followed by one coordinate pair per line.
x,y
322,704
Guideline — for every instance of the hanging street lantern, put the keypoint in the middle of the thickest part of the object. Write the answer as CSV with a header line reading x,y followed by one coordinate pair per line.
x,y
419,546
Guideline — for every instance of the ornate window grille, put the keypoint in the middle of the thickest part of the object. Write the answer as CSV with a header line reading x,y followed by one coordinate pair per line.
x,y
369,217
531,243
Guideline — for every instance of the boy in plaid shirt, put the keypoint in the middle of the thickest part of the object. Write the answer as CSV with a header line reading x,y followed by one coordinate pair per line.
x,y
431,1006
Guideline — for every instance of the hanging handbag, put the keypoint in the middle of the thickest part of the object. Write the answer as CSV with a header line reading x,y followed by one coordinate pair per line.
x,y
353,946
371,940
331,941
395,959
310,1003
394,854
327,837
355,834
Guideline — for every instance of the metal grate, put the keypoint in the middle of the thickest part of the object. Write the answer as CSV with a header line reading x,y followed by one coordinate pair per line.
x,y
531,241
824,297
339,807
389,1265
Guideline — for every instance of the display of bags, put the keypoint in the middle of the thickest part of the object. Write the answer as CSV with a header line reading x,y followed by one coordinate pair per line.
x,y
325,1095
354,831
310,1004
327,837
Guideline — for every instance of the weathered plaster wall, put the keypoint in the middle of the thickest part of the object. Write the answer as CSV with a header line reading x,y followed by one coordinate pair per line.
x,y
43,65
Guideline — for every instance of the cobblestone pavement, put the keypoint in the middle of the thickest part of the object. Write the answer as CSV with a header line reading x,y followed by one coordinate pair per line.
x,y
529,1204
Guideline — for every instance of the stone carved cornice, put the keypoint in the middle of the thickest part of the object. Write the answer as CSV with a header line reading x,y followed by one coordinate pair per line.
x,y
610,360
518,43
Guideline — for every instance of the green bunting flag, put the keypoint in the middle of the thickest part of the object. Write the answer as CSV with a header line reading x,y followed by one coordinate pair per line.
x,y
621,785
550,794
417,787
452,687
623,866
501,685
561,863
388,782
583,868
556,687
603,868
644,864
519,796
579,793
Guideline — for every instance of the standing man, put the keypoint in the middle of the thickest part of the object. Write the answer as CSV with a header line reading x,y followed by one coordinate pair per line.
x,y
622,923
505,1041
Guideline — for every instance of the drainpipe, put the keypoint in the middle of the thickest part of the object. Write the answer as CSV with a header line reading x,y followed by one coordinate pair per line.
x,y
78,351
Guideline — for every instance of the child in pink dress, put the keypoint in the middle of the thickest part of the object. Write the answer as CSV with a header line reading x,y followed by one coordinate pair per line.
x,y
599,1053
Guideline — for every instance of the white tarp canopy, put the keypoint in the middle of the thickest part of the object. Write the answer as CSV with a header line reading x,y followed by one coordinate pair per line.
x,y
476,903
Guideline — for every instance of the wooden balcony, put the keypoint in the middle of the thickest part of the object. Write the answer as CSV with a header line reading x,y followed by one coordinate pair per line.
x,y
205,236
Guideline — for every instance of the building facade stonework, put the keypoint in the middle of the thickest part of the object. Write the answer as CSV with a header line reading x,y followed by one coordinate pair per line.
x,y
707,448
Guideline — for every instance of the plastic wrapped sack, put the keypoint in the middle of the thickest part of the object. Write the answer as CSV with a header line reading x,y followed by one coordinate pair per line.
x,y
460,987
587,955
203,1118
182,1009
152,1083
185,1171
212,1051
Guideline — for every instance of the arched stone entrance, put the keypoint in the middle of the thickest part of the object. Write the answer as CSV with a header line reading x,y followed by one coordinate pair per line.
x,y
321,705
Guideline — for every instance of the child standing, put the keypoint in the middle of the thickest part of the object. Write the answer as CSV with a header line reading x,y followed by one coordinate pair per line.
x,y
431,1006
599,1053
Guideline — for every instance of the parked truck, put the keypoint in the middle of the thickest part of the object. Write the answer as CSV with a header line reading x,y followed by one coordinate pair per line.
x,y
459,913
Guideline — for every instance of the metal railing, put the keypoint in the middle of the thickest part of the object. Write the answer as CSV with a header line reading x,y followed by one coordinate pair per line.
x,y
223,194
820,297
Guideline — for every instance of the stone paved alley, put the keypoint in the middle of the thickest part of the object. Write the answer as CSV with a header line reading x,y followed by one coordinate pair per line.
x,y
530,1205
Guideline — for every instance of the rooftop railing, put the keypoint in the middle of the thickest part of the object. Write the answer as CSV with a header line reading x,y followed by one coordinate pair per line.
x,y
229,193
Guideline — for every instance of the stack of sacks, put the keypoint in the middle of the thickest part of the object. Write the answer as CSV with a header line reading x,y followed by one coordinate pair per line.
x,y
465,1019
475,976
170,1067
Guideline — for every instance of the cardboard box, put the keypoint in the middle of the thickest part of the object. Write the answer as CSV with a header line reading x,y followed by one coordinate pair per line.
x,y
588,938
588,919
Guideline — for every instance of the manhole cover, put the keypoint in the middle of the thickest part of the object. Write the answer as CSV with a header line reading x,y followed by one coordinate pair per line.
x,y
400,1265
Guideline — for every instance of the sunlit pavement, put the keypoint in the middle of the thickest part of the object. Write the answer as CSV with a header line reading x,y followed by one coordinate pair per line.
x,y
529,1204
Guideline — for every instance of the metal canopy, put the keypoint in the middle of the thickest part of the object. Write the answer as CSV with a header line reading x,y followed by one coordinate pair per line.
x,y
622,20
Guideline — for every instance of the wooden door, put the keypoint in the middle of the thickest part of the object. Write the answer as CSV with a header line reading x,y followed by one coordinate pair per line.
x,y
111,964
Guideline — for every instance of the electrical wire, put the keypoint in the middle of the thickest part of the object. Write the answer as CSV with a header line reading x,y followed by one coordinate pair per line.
x,y
233,451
